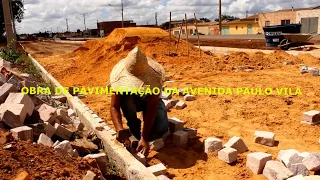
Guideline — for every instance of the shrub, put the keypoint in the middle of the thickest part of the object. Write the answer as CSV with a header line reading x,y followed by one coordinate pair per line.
x,y
10,55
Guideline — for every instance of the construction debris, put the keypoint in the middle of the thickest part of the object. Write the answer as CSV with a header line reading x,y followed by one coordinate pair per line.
x,y
257,161
64,148
158,169
165,96
228,155
90,176
312,162
212,144
276,170
5,90
19,98
62,132
237,143
30,119
23,132
175,124
157,144
264,138
13,114
84,146
180,105
45,140
47,113
189,97
180,138
192,132
50,130
101,160
311,117
285,155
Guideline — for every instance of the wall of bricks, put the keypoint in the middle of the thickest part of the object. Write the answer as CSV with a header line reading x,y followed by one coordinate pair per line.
x,y
309,14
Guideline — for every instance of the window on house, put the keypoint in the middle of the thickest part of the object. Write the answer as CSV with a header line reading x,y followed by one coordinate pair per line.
x,y
267,23
176,32
284,22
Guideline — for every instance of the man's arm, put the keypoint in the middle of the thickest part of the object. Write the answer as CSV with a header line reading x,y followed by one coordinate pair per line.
x,y
115,112
148,119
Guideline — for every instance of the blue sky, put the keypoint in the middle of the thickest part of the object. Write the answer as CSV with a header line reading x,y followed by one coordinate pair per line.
x,y
41,15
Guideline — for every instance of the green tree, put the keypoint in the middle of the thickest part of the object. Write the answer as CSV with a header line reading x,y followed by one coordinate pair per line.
x,y
18,11
205,20
226,17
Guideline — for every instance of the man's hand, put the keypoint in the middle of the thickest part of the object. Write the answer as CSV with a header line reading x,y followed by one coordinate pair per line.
x,y
143,147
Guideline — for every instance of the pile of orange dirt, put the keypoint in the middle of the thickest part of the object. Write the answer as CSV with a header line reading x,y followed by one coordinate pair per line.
x,y
39,161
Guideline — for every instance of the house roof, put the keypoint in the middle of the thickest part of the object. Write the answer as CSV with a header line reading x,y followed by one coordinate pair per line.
x,y
246,20
207,23
240,22
253,17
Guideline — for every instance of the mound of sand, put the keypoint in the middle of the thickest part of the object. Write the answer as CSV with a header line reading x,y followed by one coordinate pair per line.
x,y
92,63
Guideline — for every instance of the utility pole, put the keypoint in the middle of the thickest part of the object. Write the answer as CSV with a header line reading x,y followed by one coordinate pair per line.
x,y
122,12
67,25
8,23
84,20
156,16
220,27
13,21
247,12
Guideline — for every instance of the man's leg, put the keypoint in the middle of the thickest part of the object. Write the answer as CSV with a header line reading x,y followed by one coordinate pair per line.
x,y
161,124
129,109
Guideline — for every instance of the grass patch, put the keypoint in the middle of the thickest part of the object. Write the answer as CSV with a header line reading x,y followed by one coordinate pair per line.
x,y
112,170
10,55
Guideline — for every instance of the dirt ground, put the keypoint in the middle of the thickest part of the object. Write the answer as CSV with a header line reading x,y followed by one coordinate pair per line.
x,y
45,49
222,116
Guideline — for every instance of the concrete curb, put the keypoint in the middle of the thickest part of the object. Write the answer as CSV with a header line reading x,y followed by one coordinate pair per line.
x,y
126,163
66,41
225,50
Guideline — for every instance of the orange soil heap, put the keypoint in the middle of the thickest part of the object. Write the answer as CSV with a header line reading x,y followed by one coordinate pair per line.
x,y
99,56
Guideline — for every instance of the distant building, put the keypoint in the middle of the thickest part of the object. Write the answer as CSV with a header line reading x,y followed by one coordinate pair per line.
x,y
108,26
248,25
309,18
153,26
205,28
91,32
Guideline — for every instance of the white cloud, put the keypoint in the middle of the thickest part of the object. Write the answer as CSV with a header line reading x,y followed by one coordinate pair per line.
x,y
47,14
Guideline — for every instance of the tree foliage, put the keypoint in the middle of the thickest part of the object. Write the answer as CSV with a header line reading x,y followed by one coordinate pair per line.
x,y
226,17
205,20
18,11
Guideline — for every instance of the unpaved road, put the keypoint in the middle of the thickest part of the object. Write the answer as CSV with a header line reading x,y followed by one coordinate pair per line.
x,y
40,49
